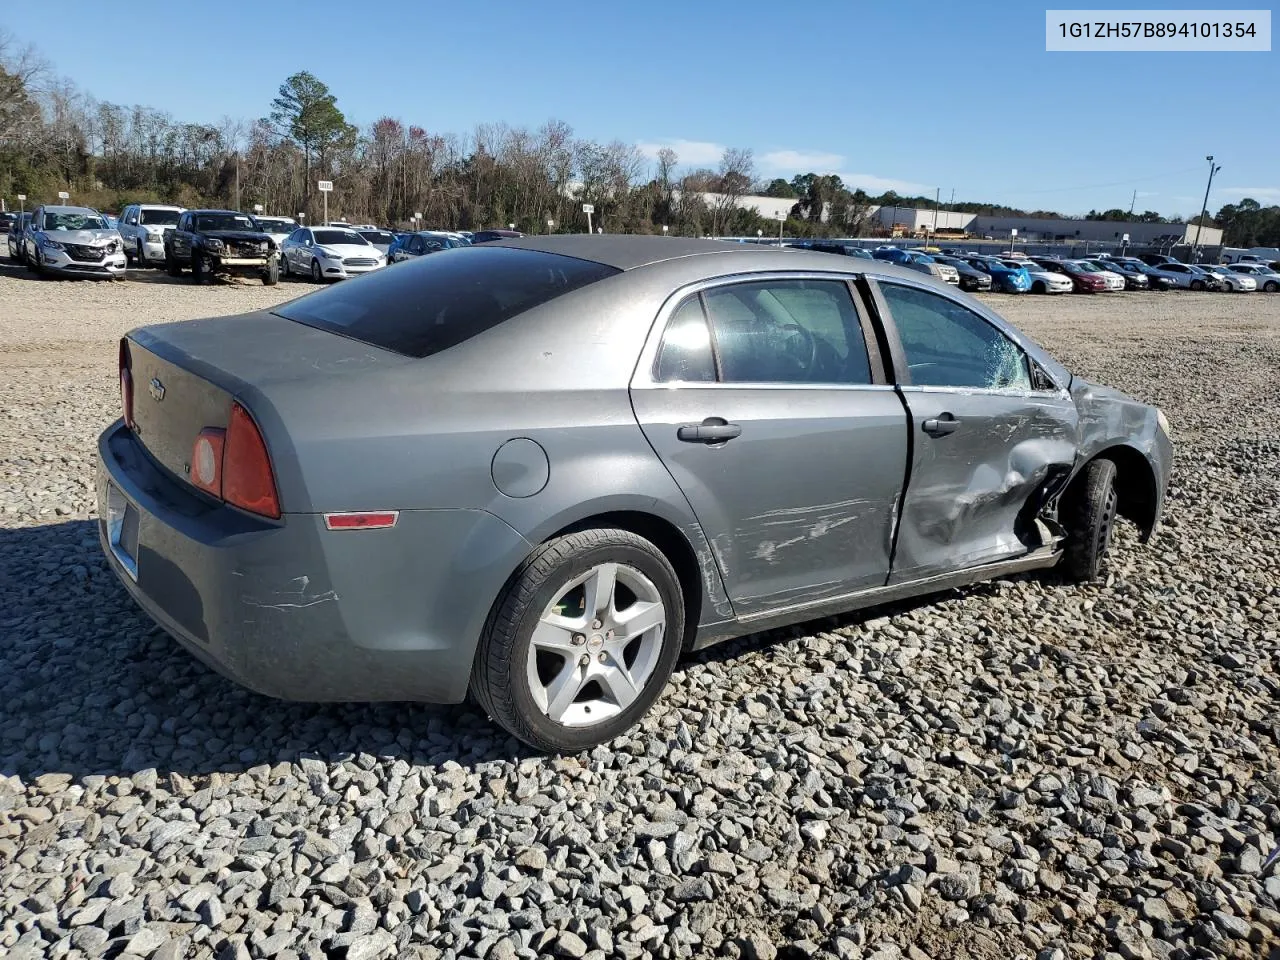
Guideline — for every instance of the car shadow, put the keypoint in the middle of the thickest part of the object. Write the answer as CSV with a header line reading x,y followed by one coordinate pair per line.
x,y
90,685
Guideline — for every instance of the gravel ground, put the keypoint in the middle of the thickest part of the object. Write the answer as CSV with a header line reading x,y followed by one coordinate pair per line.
x,y
1022,769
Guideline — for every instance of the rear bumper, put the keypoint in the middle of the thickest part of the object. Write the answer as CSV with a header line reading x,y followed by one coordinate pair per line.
x,y
295,611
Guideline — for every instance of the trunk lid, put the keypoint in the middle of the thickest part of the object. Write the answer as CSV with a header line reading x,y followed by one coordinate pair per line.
x,y
186,375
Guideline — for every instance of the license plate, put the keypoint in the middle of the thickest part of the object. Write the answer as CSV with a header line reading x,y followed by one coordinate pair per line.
x,y
122,530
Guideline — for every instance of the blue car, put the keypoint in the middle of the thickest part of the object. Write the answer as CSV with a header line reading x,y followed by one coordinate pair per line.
x,y
1004,278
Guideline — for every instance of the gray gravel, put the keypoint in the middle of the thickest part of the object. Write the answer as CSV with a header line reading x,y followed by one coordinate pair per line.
x,y
1018,769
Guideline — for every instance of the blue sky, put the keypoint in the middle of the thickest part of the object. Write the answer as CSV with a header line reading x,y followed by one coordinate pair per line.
x,y
908,95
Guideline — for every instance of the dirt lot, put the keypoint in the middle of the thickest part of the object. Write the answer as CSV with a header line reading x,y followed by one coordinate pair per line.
x,y
1019,769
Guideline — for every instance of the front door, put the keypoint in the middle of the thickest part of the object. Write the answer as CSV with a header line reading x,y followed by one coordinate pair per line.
x,y
991,436
762,405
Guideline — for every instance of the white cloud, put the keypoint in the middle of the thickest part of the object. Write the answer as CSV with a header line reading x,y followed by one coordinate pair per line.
x,y
691,153
876,185
800,161
1256,193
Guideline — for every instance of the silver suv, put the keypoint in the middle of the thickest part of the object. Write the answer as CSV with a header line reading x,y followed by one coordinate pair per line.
x,y
143,225
74,240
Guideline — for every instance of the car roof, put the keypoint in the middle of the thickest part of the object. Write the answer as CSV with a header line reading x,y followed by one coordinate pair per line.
x,y
157,206
626,252
57,208
215,210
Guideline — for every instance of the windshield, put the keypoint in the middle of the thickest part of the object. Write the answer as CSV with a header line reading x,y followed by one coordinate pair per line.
x,y
377,236
74,221
1086,267
225,221
328,238
277,225
157,218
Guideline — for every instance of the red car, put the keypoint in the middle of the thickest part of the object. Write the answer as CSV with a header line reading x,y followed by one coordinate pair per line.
x,y
1081,282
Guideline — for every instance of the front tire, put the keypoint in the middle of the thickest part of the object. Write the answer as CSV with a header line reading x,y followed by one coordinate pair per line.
x,y
1088,514
271,275
171,265
1271,286
581,642
141,256
1039,287
1197,284
197,267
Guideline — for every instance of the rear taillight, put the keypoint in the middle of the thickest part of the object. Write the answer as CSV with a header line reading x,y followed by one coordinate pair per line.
x,y
233,465
247,479
206,460
126,383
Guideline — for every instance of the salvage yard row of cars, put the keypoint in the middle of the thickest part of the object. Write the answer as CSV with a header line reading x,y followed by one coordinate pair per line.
x,y
1020,273
80,241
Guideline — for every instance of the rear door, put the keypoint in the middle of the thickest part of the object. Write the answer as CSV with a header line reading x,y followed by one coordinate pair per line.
x,y
992,435
764,403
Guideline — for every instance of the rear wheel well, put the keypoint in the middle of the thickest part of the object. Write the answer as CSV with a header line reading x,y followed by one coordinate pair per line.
x,y
1135,481
666,537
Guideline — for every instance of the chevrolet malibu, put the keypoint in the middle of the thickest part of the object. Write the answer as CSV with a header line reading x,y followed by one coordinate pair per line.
x,y
538,470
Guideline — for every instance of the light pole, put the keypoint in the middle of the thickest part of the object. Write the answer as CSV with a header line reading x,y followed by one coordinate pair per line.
x,y
937,198
550,225
1204,208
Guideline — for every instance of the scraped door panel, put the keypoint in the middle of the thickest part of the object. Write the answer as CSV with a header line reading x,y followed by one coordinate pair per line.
x,y
799,506
974,491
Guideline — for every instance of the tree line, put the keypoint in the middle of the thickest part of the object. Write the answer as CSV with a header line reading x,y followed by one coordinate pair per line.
x,y
54,136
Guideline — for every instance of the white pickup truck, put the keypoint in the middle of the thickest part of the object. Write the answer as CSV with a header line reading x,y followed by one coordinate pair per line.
x,y
143,226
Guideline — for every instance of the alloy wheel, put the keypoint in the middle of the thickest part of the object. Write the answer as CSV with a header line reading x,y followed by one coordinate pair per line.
x,y
596,645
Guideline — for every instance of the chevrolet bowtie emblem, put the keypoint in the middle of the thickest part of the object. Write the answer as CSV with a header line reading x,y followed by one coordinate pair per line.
x,y
157,388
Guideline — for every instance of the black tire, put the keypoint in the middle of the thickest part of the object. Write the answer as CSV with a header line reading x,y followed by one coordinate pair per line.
x,y
1197,284
197,267
1271,286
1088,514
271,275
284,267
1039,287
171,265
499,679
141,256
316,275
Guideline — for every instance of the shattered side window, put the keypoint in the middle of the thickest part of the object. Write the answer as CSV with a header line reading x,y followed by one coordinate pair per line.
x,y
948,345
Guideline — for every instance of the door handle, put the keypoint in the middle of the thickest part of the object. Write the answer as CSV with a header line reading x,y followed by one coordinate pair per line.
x,y
945,423
710,430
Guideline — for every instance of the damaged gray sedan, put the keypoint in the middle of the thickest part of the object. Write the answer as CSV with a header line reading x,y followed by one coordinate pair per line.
x,y
539,470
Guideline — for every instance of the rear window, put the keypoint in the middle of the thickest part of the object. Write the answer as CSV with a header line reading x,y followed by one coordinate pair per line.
x,y
159,217
424,306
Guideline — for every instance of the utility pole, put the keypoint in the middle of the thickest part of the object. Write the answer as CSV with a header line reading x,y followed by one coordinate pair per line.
x,y
237,179
1133,203
1204,207
937,198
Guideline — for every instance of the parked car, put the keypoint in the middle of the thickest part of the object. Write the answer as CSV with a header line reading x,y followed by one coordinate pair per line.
x,y
1154,280
1130,279
277,228
143,226
1229,281
329,253
213,242
382,239
1187,276
478,538
17,237
424,242
73,241
1264,277
8,218
969,278
1114,281
488,236
1042,280
917,261
1157,259
1082,281
1004,279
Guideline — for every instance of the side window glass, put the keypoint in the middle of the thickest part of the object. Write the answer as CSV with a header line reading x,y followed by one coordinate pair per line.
x,y
685,354
948,345
787,331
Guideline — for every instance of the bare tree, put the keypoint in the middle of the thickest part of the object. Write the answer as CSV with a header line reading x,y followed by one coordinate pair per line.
x,y
737,170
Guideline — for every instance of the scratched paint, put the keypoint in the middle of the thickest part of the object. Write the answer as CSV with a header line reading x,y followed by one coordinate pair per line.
x,y
297,599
